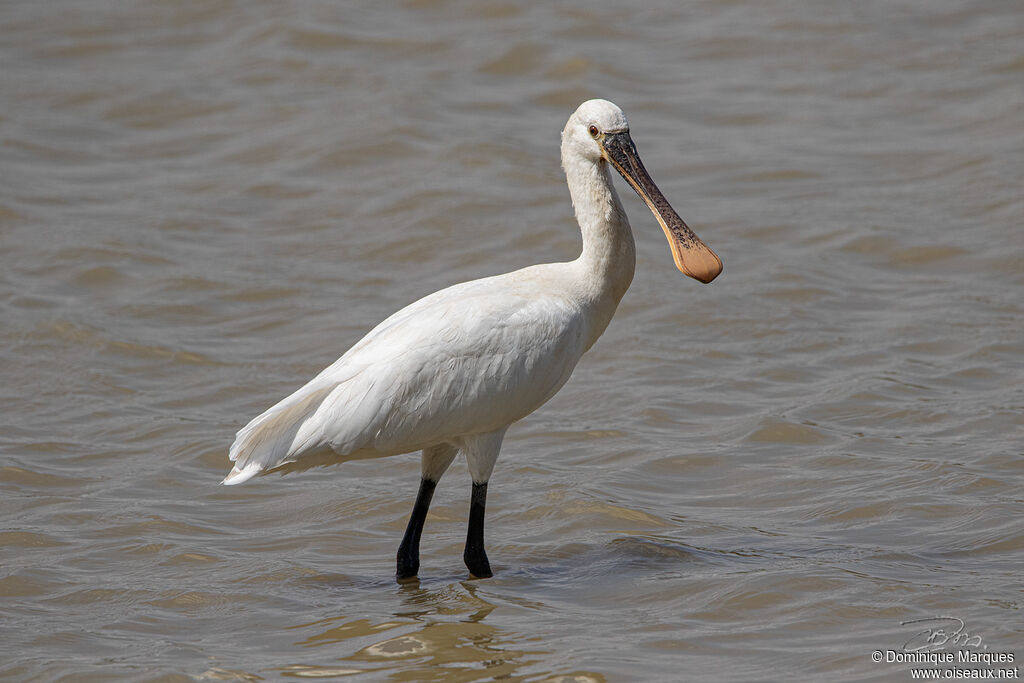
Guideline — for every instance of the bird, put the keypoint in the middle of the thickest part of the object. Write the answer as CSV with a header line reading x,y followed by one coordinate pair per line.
x,y
452,371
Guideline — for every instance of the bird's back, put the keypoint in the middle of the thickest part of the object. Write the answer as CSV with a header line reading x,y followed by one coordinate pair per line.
x,y
465,360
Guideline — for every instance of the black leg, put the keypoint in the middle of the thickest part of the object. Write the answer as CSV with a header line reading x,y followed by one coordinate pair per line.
x,y
475,557
409,550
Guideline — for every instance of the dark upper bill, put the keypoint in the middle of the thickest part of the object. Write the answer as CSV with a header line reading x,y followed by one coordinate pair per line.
x,y
692,256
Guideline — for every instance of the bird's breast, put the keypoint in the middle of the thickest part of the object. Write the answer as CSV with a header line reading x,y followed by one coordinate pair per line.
x,y
475,371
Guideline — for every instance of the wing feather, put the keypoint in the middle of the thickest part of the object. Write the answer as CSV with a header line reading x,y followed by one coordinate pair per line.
x,y
468,359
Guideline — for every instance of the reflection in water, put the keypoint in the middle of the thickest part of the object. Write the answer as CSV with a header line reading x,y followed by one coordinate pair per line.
x,y
439,634
220,674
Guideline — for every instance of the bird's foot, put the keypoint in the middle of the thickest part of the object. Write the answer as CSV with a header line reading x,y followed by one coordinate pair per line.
x,y
408,568
476,562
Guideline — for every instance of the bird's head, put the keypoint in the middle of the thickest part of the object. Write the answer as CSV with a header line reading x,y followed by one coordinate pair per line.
x,y
598,132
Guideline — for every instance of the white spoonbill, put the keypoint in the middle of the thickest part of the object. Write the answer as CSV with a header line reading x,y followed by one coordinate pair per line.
x,y
453,370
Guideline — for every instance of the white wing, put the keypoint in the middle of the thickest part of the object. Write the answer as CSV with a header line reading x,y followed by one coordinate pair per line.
x,y
465,360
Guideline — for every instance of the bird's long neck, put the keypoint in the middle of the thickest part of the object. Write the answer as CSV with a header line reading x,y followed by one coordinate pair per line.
x,y
608,259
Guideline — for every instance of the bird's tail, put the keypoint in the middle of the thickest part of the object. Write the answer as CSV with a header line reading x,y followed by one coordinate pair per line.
x,y
274,438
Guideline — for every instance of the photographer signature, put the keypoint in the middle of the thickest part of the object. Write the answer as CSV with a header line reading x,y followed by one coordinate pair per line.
x,y
938,633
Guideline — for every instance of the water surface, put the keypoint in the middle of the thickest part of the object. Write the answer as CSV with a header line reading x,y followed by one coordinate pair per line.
x,y
203,204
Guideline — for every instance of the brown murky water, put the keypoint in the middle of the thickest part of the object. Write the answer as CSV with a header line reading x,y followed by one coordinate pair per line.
x,y
204,203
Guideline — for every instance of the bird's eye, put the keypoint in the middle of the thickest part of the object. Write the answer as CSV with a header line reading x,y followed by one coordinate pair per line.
x,y
594,132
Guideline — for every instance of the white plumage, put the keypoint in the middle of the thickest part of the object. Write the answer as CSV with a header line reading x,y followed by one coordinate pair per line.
x,y
453,370
468,359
